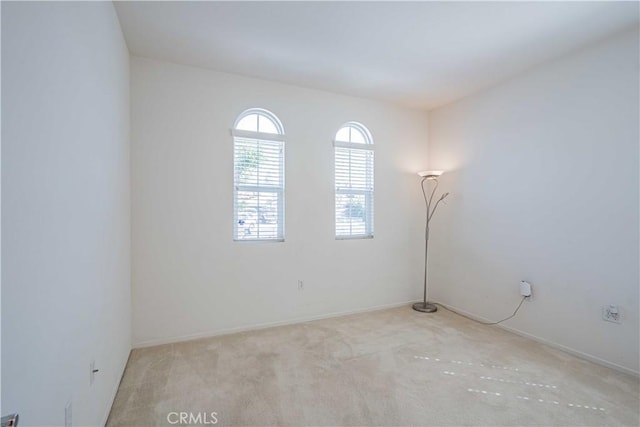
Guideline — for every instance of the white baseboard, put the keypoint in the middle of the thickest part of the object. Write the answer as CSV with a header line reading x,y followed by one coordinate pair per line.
x,y
105,416
555,345
181,338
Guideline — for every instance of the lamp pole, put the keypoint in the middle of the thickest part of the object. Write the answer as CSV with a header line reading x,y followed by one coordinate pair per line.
x,y
425,306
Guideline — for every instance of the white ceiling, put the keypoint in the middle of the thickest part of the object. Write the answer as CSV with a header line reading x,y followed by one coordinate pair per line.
x,y
419,54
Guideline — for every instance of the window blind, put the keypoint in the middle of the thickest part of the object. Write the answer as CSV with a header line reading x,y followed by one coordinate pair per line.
x,y
258,188
354,190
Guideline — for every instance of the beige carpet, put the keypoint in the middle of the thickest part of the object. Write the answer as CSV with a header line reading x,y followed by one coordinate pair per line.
x,y
391,367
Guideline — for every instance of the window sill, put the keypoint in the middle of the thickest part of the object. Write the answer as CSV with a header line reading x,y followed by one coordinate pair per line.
x,y
259,241
354,237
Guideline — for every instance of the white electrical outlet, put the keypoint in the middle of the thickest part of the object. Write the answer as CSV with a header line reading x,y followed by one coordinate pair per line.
x,y
300,285
525,289
67,415
611,313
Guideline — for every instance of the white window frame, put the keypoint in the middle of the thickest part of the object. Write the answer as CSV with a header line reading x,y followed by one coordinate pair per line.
x,y
278,190
368,193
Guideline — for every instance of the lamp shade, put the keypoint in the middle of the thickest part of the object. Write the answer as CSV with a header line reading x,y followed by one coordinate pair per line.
x,y
430,174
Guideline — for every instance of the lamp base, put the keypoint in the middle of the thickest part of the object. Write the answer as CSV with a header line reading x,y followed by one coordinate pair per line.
x,y
425,307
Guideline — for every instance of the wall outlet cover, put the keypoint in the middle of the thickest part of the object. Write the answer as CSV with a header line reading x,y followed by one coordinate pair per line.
x,y
525,289
611,313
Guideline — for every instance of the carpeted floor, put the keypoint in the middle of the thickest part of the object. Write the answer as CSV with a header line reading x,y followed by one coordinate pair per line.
x,y
390,367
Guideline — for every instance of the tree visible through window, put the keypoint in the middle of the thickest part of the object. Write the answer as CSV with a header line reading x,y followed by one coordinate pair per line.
x,y
258,213
353,182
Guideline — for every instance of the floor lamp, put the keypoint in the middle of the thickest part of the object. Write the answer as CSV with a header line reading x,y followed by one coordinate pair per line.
x,y
425,306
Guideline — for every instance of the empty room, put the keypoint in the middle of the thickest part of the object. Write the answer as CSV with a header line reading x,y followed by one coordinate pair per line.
x,y
341,213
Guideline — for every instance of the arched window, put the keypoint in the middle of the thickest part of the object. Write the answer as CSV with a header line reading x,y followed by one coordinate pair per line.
x,y
353,182
258,195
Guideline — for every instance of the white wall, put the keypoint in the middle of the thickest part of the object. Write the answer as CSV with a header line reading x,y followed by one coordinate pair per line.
x,y
189,277
65,209
543,171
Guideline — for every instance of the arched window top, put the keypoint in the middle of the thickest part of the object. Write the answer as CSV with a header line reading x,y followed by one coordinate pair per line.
x,y
259,120
354,133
